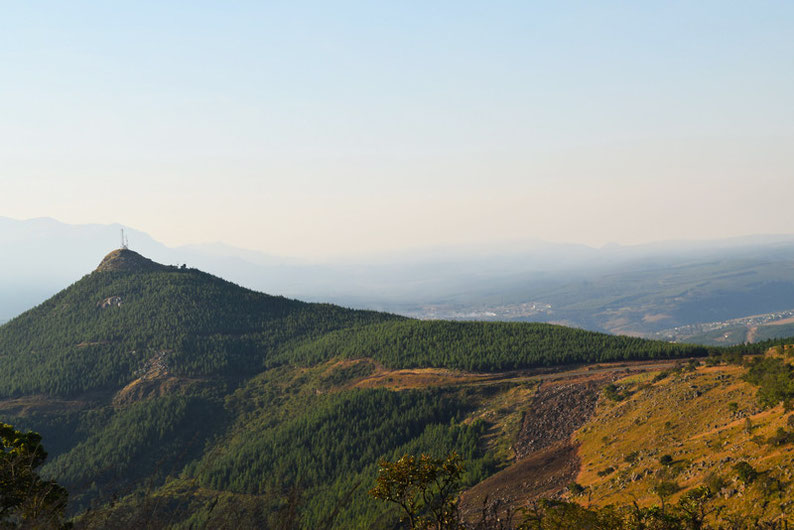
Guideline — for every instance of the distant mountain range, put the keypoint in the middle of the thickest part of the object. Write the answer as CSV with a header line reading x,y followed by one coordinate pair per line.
x,y
642,290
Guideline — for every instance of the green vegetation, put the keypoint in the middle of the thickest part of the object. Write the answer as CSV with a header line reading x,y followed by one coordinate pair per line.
x,y
774,379
482,346
148,440
615,393
195,323
176,391
27,500
326,444
745,472
111,326
424,488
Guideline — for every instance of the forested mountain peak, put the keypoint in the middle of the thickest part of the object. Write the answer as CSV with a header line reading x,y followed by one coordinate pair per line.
x,y
124,259
102,332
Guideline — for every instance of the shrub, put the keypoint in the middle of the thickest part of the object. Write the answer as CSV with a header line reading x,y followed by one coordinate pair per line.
x,y
632,457
770,485
745,472
661,375
748,425
613,392
714,482
781,437
605,472
665,488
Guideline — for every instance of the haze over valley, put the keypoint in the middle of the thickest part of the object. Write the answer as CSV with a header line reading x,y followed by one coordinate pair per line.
x,y
706,291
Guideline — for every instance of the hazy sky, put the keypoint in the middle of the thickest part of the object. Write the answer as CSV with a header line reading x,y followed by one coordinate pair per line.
x,y
320,128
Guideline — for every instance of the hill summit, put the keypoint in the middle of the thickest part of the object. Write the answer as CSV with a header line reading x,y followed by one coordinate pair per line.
x,y
126,260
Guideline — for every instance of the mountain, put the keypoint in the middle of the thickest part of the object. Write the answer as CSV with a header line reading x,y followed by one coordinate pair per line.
x,y
28,275
145,377
130,310
646,290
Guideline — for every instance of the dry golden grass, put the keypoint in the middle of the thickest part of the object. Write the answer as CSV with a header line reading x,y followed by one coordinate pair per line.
x,y
700,419
419,378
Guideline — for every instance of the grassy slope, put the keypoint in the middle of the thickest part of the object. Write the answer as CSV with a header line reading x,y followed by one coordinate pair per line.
x,y
703,434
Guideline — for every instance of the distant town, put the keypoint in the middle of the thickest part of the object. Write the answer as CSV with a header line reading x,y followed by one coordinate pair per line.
x,y
502,312
680,333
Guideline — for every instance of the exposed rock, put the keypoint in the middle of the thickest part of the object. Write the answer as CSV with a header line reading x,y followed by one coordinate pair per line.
x,y
142,389
556,412
111,301
123,259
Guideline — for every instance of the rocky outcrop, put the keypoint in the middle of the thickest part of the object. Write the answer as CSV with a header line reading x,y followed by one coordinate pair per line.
x,y
124,259
546,458
557,410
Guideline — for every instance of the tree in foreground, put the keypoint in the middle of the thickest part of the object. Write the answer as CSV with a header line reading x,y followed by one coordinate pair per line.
x,y
26,500
425,488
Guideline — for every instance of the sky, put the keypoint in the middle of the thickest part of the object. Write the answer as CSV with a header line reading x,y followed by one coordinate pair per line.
x,y
317,129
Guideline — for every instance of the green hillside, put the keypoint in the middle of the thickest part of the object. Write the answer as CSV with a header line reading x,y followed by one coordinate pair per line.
x,y
103,330
100,332
149,381
483,346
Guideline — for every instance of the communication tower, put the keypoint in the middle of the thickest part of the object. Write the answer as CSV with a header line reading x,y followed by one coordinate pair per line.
x,y
124,241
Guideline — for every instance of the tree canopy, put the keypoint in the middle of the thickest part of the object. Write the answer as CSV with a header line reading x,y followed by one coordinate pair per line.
x,y
26,500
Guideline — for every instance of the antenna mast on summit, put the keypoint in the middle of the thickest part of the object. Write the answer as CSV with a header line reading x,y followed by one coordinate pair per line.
x,y
124,241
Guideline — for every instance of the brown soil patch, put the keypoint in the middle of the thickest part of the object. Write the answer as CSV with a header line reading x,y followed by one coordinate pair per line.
x,y
23,406
423,377
650,318
419,378
123,259
543,474
144,388
86,344
780,322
